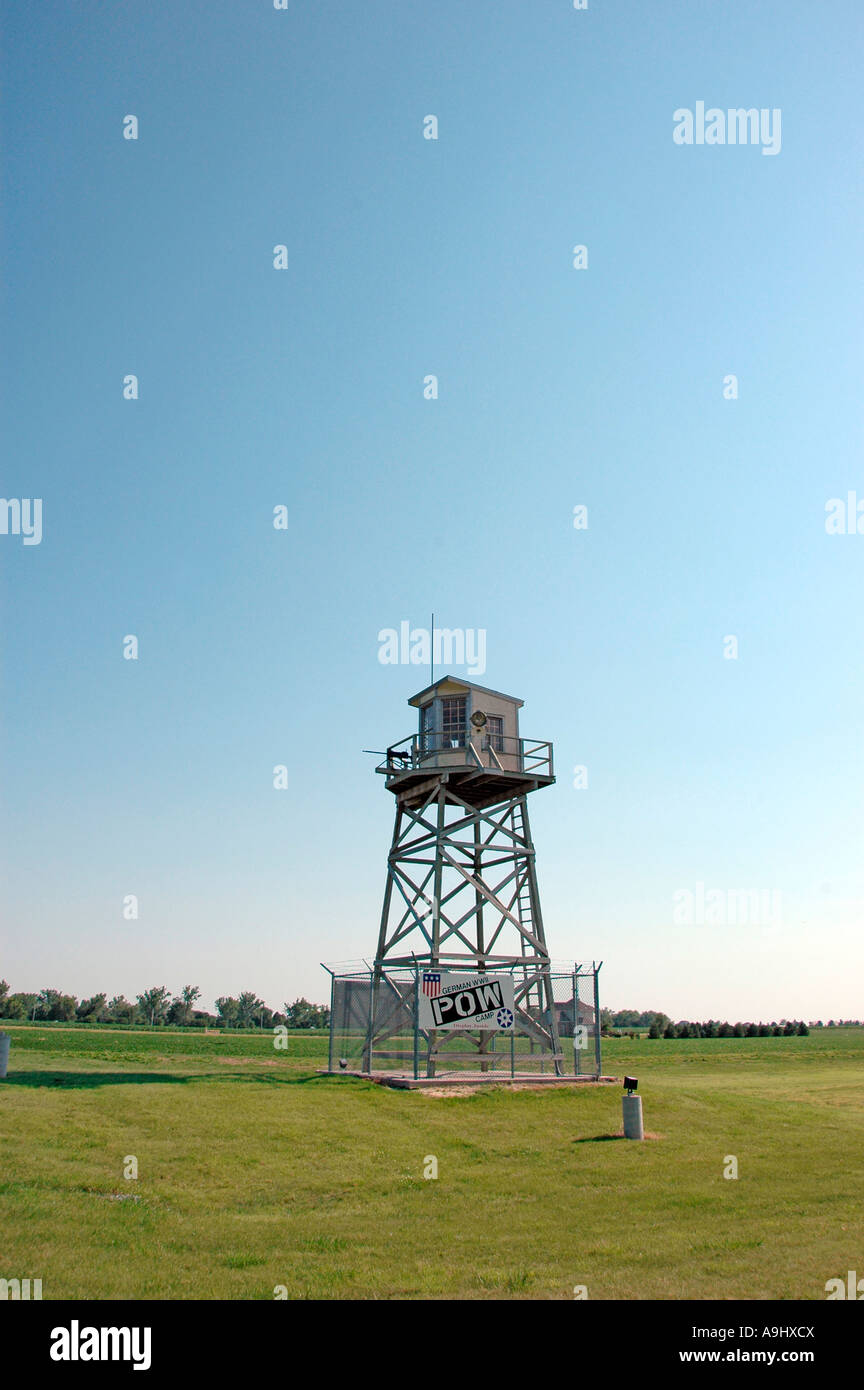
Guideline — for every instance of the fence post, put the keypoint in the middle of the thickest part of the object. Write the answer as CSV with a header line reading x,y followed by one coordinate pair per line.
x,y
416,1023
575,1021
373,992
332,1020
597,1057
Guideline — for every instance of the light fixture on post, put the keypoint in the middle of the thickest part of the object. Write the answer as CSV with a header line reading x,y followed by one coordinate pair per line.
x,y
632,1110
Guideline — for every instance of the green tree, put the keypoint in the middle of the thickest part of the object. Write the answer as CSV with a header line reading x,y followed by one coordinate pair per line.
x,y
249,1007
803,1030
19,1006
227,1009
54,1007
201,1019
654,1030
182,1008
153,1004
121,1011
654,1016
45,1003
302,1014
625,1018
93,1010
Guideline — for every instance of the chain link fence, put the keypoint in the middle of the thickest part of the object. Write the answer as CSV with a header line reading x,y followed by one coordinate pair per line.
x,y
375,1025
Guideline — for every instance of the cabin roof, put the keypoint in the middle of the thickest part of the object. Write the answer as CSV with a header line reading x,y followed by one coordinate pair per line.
x,y
423,695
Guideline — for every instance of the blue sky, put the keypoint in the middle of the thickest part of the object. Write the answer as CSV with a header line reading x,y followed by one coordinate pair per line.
x,y
304,387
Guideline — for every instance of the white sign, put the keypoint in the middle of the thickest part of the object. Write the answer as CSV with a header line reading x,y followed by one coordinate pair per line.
x,y
449,1001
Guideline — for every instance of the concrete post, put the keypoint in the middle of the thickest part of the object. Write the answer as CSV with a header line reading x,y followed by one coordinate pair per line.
x,y
5,1040
632,1107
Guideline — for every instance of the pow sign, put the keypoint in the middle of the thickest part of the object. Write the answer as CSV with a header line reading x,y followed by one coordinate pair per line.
x,y
467,1002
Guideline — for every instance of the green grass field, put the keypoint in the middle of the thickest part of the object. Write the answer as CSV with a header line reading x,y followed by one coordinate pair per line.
x,y
254,1171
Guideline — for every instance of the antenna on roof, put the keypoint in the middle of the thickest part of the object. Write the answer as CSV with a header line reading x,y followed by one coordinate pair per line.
x,y
432,653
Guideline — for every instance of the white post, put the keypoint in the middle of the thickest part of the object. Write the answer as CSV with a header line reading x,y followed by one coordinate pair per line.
x,y
632,1106
4,1054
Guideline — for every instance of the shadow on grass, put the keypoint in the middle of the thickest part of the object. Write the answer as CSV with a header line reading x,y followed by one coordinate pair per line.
x,y
83,1080
602,1138
72,1080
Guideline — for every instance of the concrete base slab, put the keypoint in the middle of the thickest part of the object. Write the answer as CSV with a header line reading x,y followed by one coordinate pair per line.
x,y
400,1081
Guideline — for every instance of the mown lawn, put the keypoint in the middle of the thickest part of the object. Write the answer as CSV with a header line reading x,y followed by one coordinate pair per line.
x,y
254,1172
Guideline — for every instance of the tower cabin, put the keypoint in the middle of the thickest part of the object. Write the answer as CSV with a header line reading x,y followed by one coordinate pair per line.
x,y
470,734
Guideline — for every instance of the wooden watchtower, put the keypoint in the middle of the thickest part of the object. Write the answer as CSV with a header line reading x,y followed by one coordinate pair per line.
x,y
461,890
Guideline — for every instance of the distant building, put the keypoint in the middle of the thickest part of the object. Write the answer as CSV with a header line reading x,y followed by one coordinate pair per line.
x,y
584,1016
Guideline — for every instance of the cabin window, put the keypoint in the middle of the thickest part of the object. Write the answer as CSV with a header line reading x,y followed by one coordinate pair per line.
x,y
495,730
453,721
425,727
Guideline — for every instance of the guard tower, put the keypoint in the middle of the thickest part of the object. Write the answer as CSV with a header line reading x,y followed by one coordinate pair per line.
x,y
461,891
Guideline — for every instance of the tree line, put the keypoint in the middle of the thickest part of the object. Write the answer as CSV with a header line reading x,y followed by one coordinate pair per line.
x,y
632,1018
713,1029
660,1025
157,1007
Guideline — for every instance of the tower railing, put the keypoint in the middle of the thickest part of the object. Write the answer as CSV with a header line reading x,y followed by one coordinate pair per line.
x,y
497,752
